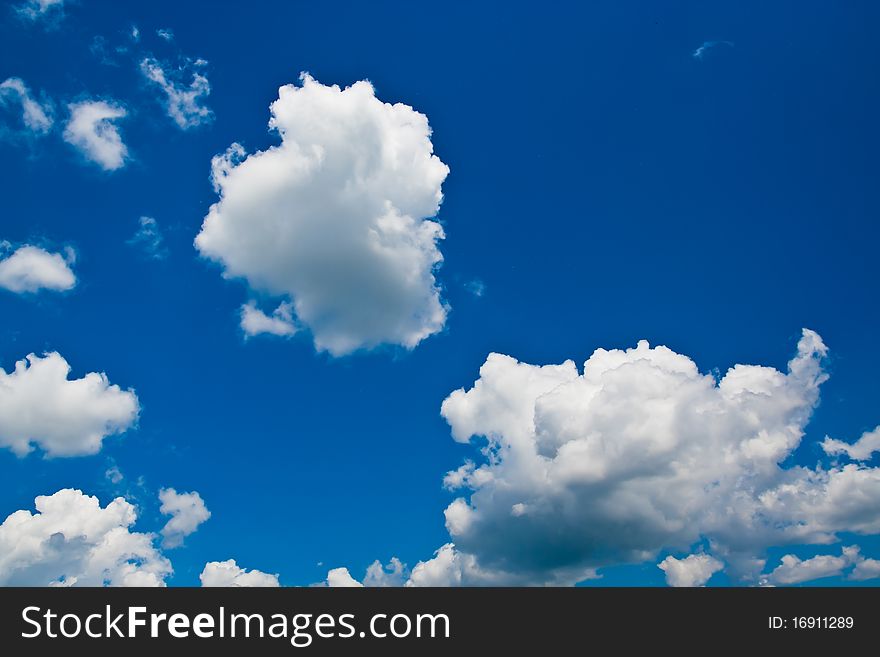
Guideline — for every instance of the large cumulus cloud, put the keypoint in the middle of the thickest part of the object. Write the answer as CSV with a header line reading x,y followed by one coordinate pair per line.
x,y
73,541
642,453
336,218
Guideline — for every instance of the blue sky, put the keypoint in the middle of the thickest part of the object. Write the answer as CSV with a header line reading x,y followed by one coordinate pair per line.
x,y
605,186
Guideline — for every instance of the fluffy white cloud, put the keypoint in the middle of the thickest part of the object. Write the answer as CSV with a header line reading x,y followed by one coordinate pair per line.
x,y
90,129
341,578
861,450
165,33
637,454
182,102
73,541
793,570
187,511
693,570
149,238
36,117
336,217
394,573
31,269
228,573
866,569
40,405
254,321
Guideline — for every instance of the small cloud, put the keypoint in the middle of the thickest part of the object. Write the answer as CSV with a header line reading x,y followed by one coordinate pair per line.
x,y
30,269
165,33
254,321
149,239
135,33
91,129
861,450
228,573
182,101
114,474
187,511
41,406
693,570
36,117
38,9
476,287
793,570
701,52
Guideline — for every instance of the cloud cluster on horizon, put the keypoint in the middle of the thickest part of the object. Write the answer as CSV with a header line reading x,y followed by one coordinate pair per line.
x,y
73,541
228,573
637,455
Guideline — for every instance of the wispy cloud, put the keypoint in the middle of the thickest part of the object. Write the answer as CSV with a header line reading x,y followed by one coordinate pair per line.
x,y
476,287
149,239
36,9
700,52
36,117
182,101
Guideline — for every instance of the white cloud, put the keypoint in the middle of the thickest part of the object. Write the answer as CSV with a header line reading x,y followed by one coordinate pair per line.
x,y
254,321
34,9
30,269
336,217
182,102
149,238
866,569
394,573
228,573
700,52
638,454
187,511
793,570
452,567
40,405
73,541
165,33
113,474
36,117
861,450
693,570
341,578
91,130
476,287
